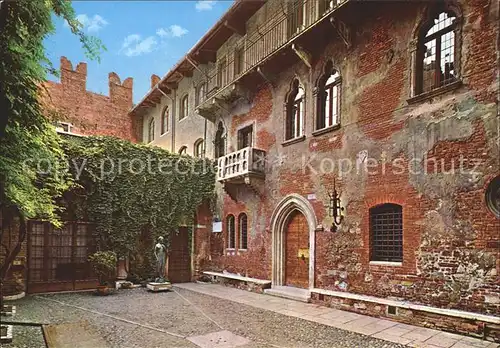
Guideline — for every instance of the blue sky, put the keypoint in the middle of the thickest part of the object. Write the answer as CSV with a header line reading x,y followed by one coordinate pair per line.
x,y
141,37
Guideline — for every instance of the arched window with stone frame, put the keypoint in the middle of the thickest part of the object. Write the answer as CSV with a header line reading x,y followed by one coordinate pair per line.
x,y
165,119
151,130
199,148
231,232
328,98
295,111
243,231
183,150
184,107
436,49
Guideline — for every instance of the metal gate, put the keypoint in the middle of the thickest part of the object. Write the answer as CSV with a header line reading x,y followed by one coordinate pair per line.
x,y
57,259
179,260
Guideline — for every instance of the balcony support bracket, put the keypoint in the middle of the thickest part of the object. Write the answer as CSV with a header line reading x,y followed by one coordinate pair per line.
x,y
303,54
237,29
231,191
343,30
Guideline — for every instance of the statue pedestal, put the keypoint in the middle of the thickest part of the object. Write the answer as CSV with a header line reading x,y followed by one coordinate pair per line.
x,y
157,287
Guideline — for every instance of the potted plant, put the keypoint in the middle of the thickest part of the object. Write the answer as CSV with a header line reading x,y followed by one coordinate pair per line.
x,y
104,265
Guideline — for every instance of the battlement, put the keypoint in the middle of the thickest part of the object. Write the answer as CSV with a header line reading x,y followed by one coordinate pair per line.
x,y
91,113
76,79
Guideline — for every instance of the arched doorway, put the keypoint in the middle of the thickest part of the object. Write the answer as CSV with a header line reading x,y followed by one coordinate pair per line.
x,y
297,251
293,226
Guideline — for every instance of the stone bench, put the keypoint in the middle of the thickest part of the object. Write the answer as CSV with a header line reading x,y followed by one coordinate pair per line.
x,y
240,282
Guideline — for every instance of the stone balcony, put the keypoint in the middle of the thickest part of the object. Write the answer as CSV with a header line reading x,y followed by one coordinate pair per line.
x,y
241,164
245,167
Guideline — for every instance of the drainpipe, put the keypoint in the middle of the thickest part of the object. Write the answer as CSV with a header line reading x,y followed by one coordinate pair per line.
x,y
174,118
173,113
205,139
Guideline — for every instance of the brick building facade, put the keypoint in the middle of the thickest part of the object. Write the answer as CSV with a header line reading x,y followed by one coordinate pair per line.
x,y
88,113
395,106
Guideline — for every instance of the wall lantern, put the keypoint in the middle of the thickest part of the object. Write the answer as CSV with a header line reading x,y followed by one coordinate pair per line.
x,y
334,208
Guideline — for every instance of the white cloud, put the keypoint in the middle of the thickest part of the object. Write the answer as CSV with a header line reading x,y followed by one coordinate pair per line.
x,y
205,5
172,31
134,45
91,24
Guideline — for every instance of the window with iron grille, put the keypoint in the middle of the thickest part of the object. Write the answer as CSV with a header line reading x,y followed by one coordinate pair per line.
x,y
231,232
243,226
437,52
386,233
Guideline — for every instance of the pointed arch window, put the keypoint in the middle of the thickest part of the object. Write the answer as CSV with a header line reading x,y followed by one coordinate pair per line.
x,y
294,127
165,119
386,233
437,51
151,130
328,98
243,231
231,232
183,150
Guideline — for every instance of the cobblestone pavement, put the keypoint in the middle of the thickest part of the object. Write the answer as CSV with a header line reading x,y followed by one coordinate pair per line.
x,y
137,318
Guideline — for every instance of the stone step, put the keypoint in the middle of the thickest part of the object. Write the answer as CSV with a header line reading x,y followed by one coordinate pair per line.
x,y
291,293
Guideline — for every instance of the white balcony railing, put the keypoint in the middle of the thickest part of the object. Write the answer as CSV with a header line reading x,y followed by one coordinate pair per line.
x,y
241,163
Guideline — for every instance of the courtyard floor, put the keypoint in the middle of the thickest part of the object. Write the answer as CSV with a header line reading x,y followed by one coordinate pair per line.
x,y
212,316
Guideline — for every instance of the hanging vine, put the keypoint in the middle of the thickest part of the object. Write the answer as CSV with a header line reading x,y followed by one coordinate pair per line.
x,y
127,189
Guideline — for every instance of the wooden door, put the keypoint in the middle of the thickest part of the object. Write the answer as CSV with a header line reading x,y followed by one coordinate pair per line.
x,y
297,251
179,259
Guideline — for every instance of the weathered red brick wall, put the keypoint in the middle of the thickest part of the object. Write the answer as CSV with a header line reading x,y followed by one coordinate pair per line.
x,y
90,113
450,238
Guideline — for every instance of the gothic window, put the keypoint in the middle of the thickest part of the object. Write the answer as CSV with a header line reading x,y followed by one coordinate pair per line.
x,y
231,232
151,130
165,121
184,107
328,98
294,127
183,150
436,55
199,148
386,233
243,229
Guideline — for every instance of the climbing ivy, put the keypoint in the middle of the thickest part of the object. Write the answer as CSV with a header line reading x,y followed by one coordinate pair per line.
x,y
130,189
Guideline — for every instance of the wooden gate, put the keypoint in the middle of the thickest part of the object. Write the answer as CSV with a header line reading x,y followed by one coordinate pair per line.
x,y
57,259
179,260
297,251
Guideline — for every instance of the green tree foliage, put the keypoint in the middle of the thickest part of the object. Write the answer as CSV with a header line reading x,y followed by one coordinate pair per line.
x,y
129,190
25,134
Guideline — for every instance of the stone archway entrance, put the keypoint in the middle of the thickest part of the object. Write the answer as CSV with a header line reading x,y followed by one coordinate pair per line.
x,y
293,225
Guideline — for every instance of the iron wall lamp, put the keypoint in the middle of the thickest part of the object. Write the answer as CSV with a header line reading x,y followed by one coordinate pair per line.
x,y
335,210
